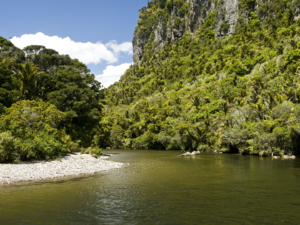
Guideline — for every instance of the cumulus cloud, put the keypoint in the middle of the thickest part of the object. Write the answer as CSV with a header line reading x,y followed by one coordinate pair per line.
x,y
124,47
86,52
112,74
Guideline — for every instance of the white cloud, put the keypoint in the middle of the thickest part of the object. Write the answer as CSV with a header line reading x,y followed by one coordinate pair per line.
x,y
86,52
112,74
124,47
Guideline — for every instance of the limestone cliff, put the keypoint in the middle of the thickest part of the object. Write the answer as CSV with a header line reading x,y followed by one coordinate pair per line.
x,y
189,16
226,12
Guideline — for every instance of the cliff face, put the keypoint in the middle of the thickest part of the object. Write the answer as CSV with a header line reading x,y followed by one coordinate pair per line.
x,y
226,13
192,15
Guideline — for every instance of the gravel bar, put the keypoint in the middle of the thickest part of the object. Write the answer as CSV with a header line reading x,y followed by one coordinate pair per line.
x,y
70,165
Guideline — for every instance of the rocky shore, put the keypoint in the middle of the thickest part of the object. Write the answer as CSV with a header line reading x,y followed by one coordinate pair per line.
x,y
69,165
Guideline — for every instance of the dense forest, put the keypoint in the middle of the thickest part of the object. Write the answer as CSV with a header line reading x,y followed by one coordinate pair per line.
x,y
206,91
206,85
49,103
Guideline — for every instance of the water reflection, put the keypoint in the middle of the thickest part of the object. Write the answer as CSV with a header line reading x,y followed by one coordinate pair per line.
x,y
161,188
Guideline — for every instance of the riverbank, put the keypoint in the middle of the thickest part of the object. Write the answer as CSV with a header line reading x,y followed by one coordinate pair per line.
x,y
69,165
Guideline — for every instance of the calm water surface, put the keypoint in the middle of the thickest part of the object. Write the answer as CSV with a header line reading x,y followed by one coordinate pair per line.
x,y
158,187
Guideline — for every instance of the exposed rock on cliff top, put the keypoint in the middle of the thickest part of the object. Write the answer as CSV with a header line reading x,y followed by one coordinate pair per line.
x,y
165,21
188,17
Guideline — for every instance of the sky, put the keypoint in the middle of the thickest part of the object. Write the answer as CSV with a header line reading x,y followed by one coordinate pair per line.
x,y
97,32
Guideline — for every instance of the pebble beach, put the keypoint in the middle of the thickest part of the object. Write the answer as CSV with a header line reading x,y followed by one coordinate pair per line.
x,y
69,165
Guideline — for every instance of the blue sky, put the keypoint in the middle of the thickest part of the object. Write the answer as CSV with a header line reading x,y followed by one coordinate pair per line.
x,y
91,27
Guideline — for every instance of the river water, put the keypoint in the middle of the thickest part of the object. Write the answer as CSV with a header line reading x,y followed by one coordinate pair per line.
x,y
158,187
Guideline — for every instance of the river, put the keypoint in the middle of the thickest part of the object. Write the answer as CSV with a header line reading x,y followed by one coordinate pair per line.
x,y
158,187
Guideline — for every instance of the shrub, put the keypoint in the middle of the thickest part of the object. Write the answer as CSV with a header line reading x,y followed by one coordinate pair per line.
x,y
6,146
94,151
31,130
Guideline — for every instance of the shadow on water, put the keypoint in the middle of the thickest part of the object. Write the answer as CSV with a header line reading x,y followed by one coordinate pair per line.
x,y
111,153
59,180
159,187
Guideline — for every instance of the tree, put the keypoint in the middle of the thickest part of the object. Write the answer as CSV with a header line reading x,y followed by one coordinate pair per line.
x,y
34,49
27,73
6,89
30,130
76,93
196,101
4,42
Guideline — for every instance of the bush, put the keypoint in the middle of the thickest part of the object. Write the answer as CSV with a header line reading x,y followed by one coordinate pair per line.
x,y
30,130
94,151
6,146
183,10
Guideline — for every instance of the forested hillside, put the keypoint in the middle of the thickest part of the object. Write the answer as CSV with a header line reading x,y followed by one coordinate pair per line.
x,y
210,75
50,103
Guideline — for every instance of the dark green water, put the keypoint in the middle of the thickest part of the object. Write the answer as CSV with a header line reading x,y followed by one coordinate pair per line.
x,y
161,188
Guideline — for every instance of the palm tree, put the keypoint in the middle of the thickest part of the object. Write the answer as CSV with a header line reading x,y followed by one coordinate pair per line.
x,y
196,101
27,73
177,100
224,106
7,61
206,118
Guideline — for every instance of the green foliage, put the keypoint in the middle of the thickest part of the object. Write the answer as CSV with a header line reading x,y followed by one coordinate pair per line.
x,y
225,27
94,151
179,3
169,5
33,49
27,73
238,94
6,88
206,31
45,76
30,130
116,135
9,51
97,152
6,146
247,4
147,17
76,93
4,43
183,9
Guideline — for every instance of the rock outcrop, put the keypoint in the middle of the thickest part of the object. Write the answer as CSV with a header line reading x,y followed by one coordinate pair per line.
x,y
226,12
232,14
191,153
138,47
178,20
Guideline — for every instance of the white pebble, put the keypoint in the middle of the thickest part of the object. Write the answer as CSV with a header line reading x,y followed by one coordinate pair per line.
x,y
70,165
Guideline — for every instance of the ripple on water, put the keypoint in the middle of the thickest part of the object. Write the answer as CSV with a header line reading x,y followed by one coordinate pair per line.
x,y
161,188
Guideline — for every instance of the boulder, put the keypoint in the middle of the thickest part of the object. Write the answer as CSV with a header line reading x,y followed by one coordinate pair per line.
x,y
289,157
186,154
191,153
